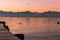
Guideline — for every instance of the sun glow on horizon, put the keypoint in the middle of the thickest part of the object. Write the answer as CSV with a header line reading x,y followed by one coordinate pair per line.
x,y
30,5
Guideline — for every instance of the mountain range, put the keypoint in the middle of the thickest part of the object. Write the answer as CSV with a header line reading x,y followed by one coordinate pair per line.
x,y
29,14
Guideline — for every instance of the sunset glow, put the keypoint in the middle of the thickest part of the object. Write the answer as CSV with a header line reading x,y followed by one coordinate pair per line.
x,y
30,5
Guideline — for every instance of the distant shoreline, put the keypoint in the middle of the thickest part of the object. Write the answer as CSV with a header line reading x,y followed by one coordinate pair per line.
x,y
29,14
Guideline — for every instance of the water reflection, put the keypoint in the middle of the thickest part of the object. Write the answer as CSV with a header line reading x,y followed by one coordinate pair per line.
x,y
34,28
32,25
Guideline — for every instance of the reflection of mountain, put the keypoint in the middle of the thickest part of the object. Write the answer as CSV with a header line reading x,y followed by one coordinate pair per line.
x,y
29,14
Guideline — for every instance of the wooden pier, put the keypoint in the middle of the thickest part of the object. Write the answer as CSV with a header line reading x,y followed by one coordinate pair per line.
x,y
5,34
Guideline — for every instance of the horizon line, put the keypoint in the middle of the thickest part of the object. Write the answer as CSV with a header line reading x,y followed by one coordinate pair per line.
x,y
26,11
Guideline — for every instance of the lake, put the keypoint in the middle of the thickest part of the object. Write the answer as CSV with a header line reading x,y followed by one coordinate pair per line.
x,y
41,28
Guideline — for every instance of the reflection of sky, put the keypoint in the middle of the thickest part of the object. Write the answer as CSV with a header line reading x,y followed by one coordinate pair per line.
x,y
31,25
31,5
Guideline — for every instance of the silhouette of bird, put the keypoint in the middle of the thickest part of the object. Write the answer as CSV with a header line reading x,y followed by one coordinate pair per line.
x,y
28,4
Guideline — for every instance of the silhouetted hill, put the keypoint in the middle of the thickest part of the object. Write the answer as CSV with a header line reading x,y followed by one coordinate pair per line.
x,y
51,14
29,14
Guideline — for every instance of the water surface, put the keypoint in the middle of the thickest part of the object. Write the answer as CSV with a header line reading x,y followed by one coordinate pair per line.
x,y
34,28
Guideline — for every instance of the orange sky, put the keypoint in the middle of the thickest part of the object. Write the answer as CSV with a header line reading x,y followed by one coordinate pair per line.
x,y
30,5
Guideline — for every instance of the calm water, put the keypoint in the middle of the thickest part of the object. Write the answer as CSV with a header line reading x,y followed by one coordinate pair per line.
x,y
34,28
